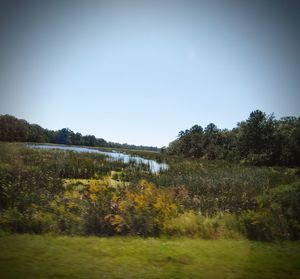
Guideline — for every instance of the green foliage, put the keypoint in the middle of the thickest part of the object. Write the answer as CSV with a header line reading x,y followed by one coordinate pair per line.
x,y
256,137
277,215
13,129
288,141
260,140
196,225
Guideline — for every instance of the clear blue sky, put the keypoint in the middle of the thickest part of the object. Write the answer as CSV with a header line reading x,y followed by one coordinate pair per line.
x,y
141,71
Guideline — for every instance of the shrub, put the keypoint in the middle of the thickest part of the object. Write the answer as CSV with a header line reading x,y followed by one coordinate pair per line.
x,y
41,221
12,220
142,210
277,216
196,225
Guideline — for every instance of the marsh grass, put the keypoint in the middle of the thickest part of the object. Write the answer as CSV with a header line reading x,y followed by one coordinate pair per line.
x,y
51,191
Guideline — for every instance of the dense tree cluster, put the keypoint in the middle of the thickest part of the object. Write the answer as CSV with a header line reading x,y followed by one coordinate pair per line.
x,y
13,129
260,140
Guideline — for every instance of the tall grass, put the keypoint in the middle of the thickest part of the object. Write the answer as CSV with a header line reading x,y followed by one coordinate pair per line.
x,y
198,198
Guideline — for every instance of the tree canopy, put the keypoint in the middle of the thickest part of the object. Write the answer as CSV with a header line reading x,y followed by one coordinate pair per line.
x,y
13,129
259,140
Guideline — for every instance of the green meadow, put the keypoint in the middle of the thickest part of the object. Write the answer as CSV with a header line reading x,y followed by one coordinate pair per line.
x,y
33,256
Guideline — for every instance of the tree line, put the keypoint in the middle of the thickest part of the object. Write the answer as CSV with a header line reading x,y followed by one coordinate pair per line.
x,y
13,129
259,140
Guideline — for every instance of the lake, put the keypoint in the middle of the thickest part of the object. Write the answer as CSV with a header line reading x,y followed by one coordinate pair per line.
x,y
154,166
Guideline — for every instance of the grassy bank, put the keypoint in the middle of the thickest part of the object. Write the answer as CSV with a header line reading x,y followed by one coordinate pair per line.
x,y
28,256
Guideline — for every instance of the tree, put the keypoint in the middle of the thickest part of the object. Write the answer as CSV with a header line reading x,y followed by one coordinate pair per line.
x,y
64,136
257,136
288,141
14,129
76,139
89,140
212,142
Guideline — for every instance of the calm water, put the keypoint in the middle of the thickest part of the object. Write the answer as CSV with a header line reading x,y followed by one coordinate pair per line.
x,y
154,166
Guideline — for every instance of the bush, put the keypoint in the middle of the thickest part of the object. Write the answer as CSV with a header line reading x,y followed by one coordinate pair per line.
x,y
141,211
12,220
196,225
277,216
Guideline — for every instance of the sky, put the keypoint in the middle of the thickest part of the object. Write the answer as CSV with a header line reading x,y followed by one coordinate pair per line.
x,y
141,71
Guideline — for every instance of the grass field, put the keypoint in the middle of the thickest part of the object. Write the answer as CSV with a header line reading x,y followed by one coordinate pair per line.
x,y
29,256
